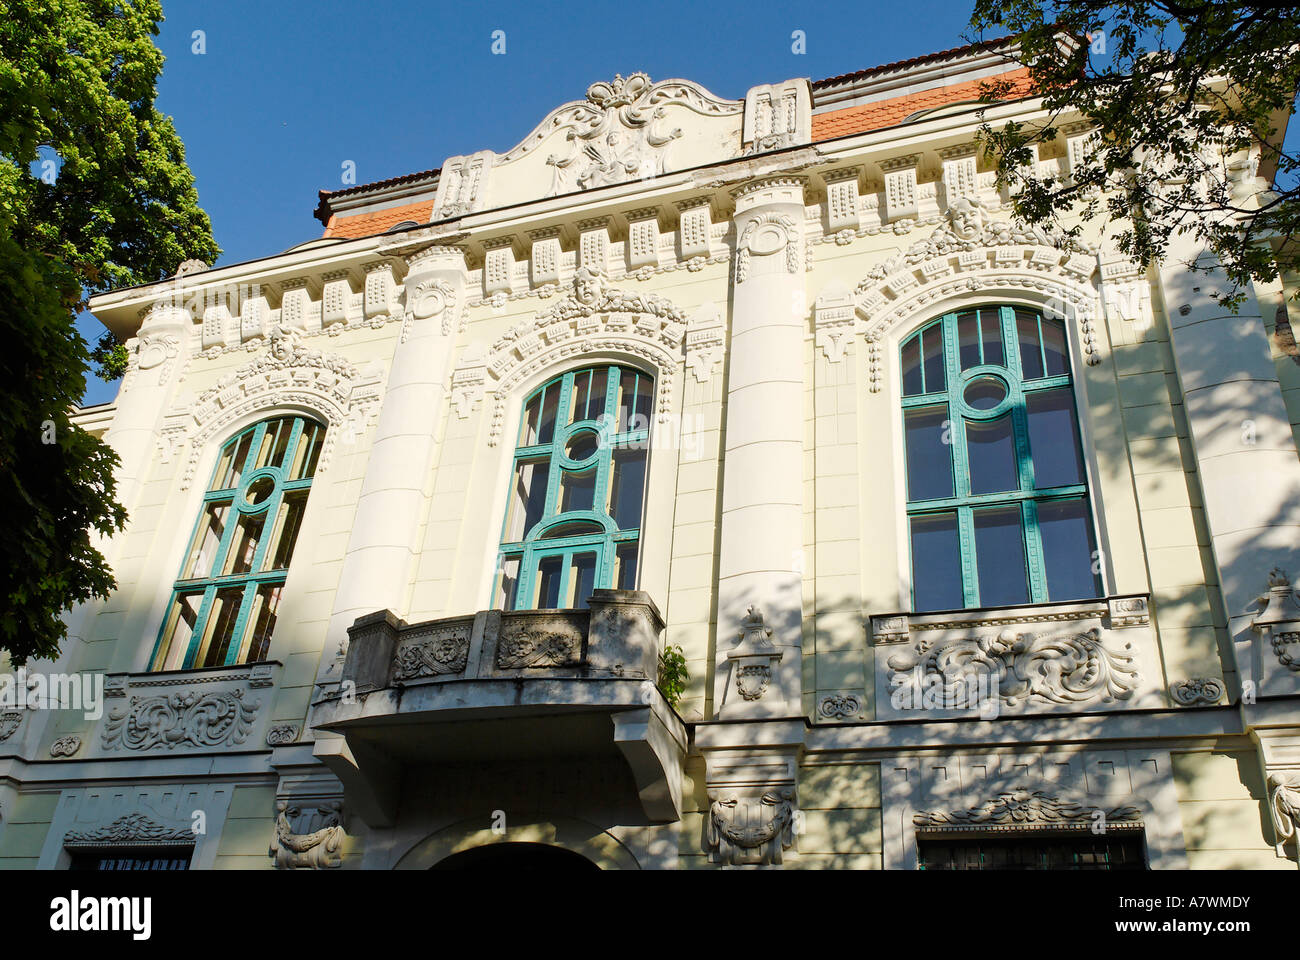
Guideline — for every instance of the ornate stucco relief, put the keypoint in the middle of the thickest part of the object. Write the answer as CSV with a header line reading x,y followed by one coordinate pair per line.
x,y
1096,655
287,373
307,839
971,252
1027,810
594,317
750,829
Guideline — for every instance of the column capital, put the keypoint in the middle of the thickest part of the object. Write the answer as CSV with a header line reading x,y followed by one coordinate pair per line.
x,y
769,191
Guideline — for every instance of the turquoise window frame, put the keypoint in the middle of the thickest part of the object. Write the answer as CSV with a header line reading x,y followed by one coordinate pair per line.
x,y
237,501
1019,389
612,438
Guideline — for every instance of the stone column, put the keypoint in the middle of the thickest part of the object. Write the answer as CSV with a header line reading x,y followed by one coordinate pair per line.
x,y
1245,452
381,550
758,668
163,345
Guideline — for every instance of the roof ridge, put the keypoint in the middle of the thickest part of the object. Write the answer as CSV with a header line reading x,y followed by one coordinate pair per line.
x,y
914,61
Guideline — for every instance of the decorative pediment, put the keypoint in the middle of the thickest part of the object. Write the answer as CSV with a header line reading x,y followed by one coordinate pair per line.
x,y
968,226
134,829
594,317
286,373
1019,810
971,253
626,129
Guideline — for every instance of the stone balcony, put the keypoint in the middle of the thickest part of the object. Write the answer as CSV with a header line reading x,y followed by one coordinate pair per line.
x,y
562,687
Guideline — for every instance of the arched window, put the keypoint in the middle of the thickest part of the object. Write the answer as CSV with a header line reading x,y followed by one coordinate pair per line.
x,y
225,600
573,522
997,495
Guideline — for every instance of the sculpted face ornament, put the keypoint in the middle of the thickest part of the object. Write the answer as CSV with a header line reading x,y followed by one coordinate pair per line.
x,y
588,287
967,219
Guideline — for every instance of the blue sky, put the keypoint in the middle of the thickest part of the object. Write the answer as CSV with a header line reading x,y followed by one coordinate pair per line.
x,y
288,91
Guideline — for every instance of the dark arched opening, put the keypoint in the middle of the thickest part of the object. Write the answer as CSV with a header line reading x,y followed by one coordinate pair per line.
x,y
516,856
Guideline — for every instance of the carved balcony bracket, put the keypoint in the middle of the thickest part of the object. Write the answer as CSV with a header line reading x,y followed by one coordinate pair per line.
x,y
308,838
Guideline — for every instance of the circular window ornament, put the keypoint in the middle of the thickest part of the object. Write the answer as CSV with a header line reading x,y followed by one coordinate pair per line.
x,y
257,492
582,446
985,393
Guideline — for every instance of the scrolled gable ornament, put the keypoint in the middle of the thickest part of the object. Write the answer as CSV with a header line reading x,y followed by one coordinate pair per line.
x,y
620,132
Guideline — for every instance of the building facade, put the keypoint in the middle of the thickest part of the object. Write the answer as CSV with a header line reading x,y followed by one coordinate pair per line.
x,y
974,538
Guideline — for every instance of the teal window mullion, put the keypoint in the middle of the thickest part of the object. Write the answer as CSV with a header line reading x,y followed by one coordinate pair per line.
x,y
200,626
290,448
1033,552
268,524
969,569
241,623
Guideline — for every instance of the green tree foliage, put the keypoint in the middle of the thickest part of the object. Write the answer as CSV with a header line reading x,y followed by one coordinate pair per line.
x,y
1178,93
94,194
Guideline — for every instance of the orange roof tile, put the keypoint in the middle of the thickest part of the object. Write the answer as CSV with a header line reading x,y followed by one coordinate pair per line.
x,y
367,224
886,113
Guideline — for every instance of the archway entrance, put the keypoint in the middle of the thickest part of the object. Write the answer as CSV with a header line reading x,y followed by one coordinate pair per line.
x,y
539,857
